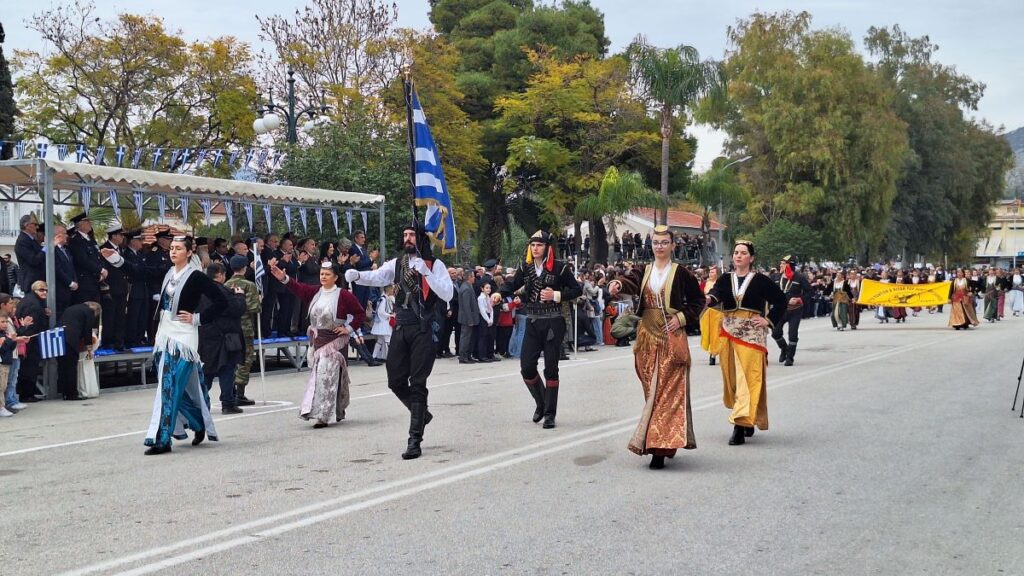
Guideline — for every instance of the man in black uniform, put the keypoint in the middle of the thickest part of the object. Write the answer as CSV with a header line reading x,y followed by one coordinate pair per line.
x,y
115,303
139,297
157,263
546,283
423,289
796,289
88,264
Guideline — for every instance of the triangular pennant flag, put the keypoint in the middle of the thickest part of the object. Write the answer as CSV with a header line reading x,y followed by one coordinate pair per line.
x,y
302,217
114,204
207,209
137,197
334,217
184,209
85,195
248,157
266,214
365,225
161,203
228,210
247,207
348,219
288,217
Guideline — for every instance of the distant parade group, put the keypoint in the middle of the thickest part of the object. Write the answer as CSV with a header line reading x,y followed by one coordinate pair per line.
x,y
735,313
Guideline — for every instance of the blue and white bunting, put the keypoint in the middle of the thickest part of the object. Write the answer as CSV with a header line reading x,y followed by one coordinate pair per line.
x,y
19,150
99,159
184,209
275,162
365,225
348,219
218,154
200,157
334,217
175,153
186,154
161,204
230,213
137,158
302,217
247,207
62,152
263,159
157,154
139,203
80,153
248,157
288,217
319,219
120,154
41,149
85,195
51,343
266,214
431,188
207,207
233,158
114,204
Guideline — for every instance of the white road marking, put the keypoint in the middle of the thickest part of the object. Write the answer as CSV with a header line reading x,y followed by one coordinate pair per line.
x,y
278,524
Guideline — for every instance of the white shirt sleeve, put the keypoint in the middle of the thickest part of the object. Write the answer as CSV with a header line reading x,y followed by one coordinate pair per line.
x,y
383,276
440,282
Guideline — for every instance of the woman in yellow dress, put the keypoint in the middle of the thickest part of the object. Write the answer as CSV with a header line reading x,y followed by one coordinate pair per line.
x,y
746,305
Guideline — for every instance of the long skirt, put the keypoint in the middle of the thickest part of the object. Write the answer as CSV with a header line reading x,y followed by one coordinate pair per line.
x,y
745,389
840,315
1002,304
666,423
991,307
961,314
181,401
327,394
1016,298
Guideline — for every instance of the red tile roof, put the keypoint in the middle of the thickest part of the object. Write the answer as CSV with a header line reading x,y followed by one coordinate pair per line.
x,y
679,219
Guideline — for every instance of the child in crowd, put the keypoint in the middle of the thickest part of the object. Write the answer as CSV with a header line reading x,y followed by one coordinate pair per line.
x,y
8,350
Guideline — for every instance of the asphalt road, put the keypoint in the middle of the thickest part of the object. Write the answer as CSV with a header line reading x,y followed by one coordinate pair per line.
x,y
891,451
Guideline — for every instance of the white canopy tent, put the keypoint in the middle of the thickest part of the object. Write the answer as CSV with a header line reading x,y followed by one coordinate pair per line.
x,y
56,183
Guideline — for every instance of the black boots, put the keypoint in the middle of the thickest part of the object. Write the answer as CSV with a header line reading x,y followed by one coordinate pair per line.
x,y
408,404
784,348
739,435
240,395
657,462
417,420
790,353
199,437
153,450
537,391
550,403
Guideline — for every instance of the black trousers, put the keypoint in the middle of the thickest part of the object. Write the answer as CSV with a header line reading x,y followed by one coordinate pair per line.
x,y
67,373
451,325
31,368
285,309
793,318
136,320
115,313
543,336
410,360
485,343
502,338
267,314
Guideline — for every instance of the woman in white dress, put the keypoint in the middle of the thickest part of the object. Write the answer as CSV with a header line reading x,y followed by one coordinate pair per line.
x,y
382,315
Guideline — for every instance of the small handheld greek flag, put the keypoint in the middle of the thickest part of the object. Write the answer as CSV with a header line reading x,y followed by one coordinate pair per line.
x,y
51,343
258,269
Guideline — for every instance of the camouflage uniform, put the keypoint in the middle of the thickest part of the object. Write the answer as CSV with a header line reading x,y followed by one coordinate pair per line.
x,y
252,308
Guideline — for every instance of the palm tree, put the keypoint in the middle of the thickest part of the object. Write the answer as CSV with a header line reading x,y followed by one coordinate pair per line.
x,y
717,186
619,193
672,79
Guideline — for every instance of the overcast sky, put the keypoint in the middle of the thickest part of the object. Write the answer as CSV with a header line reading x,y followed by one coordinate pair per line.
x,y
981,38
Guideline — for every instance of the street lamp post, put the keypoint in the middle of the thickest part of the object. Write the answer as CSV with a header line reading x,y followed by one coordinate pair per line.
x,y
270,121
721,214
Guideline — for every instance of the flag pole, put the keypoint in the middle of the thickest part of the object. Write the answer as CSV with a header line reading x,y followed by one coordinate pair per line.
x,y
407,86
263,376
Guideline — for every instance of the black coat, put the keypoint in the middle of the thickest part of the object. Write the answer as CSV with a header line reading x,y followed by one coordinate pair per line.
x,y
214,336
138,274
78,321
117,278
157,262
64,274
32,305
192,292
88,262
31,261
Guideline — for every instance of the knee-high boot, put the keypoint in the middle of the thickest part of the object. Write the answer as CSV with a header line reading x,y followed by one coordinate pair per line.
x,y
537,391
784,347
417,413
426,418
550,403
791,352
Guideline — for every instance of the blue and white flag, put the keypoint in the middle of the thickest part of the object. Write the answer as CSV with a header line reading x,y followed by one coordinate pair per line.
x,y
161,204
266,214
19,150
62,152
334,216
85,195
288,217
207,209
186,154
303,216
137,159
263,159
319,219
51,343
184,210
218,154
229,210
175,153
348,219
120,154
365,225
80,152
114,205
101,151
431,187
157,154
233,158
247,207
258,270
275,161
139,203
200,157
41,149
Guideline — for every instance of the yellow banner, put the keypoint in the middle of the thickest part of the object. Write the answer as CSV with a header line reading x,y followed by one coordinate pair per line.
x,y
874,293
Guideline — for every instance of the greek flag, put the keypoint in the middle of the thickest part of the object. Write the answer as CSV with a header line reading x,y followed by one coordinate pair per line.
x,y
157,154
85,195
136,158
120,154
184,210
207,209
230,212
161,202
266,214
113,203
288,217
303,216
259,271
348,219
51,343
41,149
431,188
247,208
19,150
217,155
80,153
319,219
100,152
334,217
139,203
62,152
